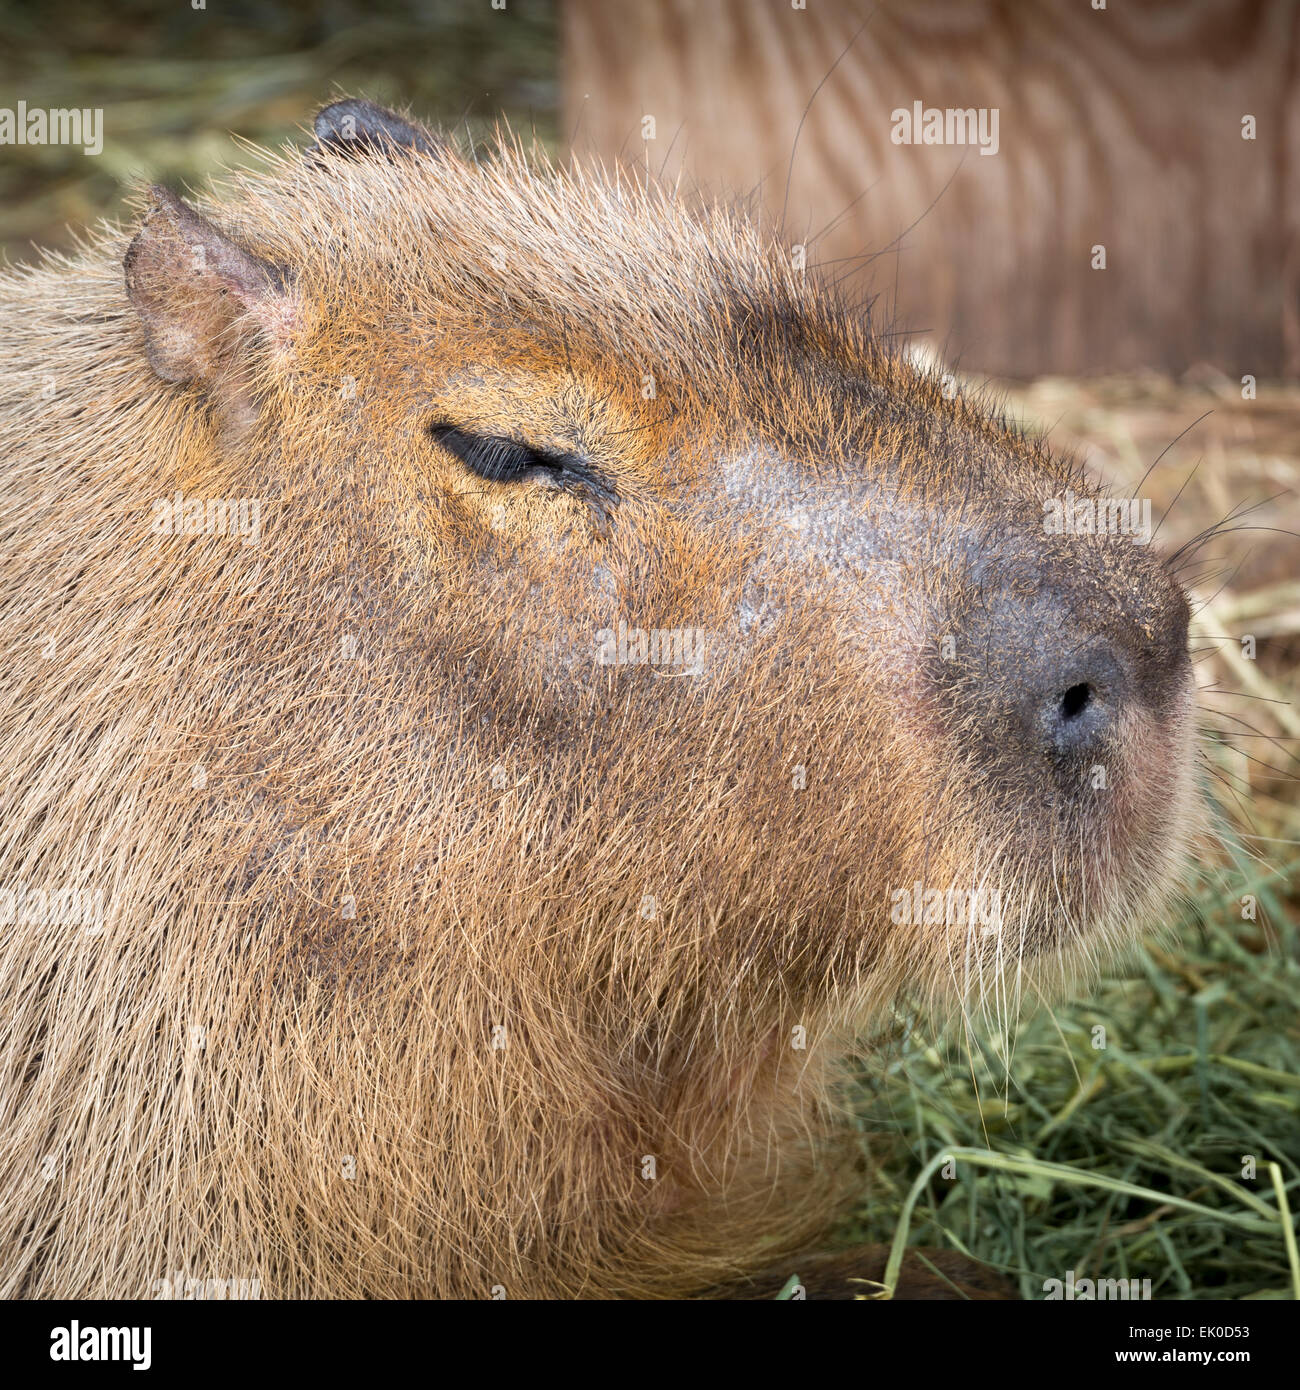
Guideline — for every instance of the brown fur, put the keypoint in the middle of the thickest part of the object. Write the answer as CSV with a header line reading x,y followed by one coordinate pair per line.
x,y
618,874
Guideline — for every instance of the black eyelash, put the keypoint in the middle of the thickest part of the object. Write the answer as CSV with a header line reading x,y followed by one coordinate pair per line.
x,y
492,457
502,460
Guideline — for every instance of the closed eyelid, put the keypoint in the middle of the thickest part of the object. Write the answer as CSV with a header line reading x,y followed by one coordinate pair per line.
x,y
501,459
494,457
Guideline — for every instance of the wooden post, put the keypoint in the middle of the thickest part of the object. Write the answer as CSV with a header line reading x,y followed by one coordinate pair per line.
x,y
1119,127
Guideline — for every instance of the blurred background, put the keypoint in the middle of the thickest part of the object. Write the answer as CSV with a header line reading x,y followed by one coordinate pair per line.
x,y
1120,128
181,86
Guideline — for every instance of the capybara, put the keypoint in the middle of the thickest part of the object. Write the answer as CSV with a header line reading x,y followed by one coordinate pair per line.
x,y
508,676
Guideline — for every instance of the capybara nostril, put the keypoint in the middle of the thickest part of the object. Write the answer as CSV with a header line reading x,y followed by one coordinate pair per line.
x,y
1136,669
1075,701
1071,670
1078,718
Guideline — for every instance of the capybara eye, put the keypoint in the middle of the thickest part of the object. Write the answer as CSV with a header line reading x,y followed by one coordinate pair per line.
x,y
493,457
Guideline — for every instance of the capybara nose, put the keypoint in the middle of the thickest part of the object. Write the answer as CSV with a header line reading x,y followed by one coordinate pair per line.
x,y
1078,695
1075,718
1061,678
1069,695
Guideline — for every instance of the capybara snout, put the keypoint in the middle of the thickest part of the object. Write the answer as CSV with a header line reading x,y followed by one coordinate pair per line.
x,y
1016,634
528,674
1068,694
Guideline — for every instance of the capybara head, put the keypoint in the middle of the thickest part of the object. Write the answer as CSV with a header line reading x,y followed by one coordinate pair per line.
x,y
517,650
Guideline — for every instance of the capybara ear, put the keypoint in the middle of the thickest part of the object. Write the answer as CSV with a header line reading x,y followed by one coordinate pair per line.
x,y
363,130
204,301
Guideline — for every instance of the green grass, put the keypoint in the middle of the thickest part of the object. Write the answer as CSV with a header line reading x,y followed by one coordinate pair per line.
x,y
1129,1156
178,85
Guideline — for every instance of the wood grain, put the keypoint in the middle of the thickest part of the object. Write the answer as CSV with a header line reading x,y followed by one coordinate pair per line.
x,y
1119,127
